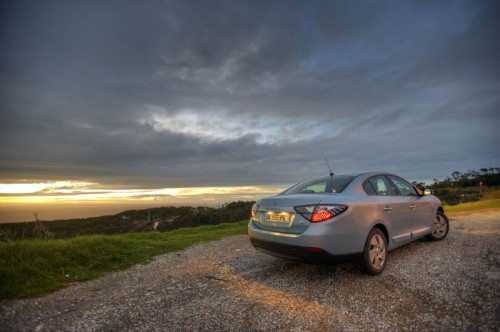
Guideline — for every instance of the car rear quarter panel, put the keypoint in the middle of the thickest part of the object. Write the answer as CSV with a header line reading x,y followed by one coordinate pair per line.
x,y
363,215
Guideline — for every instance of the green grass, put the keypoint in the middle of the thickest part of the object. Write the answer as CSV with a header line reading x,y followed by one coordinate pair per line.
x,y
31,268
486,204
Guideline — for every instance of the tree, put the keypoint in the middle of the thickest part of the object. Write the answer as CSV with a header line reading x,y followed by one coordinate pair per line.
x,y
456,175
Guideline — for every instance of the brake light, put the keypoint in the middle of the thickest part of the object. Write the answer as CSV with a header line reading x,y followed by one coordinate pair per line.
x,y
319,213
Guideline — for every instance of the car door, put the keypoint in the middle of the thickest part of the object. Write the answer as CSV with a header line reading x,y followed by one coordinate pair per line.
x,y
395,208
421,220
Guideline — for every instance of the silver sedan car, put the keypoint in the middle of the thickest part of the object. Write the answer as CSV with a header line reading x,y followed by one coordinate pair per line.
x,y
364,214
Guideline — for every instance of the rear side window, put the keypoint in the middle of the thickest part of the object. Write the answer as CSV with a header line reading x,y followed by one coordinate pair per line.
x,y
382,186
368,188
328,185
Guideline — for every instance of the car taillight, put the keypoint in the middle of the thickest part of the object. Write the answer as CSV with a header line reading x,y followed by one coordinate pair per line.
x,y
322,213
318,213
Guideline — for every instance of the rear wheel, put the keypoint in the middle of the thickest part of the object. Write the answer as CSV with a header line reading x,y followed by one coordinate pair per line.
x,y
375,252
441,227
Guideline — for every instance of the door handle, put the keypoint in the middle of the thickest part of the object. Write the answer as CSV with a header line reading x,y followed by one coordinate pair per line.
x,y
413,206
387,208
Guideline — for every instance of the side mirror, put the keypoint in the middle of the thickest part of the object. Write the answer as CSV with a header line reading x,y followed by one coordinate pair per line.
x,y
427,192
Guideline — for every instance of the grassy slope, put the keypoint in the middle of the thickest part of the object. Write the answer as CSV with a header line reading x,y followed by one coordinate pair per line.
x,y
480,205
31,268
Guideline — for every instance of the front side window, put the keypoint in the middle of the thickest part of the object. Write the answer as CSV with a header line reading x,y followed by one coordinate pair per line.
x,y
327,184
404,187
382,186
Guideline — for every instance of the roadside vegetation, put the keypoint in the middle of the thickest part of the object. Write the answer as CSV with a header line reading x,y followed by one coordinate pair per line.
x,y
30,268
155,219
470,186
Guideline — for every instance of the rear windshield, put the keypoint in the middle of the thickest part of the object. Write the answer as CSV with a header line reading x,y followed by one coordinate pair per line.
x,y
327,184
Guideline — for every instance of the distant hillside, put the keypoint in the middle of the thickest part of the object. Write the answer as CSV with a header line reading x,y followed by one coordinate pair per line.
x,y
470,186
159,219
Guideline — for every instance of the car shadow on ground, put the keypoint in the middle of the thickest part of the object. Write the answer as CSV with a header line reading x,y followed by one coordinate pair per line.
x,y
279,272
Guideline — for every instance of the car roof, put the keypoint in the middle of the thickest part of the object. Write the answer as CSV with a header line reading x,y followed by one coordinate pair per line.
x,y
355,186
370,173
358,178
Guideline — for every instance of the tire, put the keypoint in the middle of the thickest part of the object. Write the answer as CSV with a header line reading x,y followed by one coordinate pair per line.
x,y
375,252
441,227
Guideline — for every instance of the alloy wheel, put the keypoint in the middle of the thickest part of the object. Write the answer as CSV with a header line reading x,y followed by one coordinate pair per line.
x,y
377,251
440,226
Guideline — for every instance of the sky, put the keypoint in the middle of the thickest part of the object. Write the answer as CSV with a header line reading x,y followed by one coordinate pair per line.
x,y
204,102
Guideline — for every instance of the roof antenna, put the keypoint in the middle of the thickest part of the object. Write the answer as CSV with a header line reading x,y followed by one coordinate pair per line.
x,y
327,165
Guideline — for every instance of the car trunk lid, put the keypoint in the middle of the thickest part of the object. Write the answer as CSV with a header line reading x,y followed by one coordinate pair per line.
x,y
277,214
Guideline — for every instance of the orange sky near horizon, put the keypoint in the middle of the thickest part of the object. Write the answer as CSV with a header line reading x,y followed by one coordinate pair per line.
x,y
73,199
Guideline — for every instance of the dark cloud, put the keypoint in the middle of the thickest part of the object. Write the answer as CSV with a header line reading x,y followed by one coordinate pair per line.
x,y
197,93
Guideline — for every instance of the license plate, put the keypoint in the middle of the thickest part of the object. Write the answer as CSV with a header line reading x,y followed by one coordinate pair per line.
x,y
282,217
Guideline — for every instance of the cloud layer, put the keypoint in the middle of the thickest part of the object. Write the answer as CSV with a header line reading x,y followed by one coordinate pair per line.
x,y
172,94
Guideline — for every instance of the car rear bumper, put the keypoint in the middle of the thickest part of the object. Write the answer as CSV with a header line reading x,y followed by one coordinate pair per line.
x,y
298,253
339,238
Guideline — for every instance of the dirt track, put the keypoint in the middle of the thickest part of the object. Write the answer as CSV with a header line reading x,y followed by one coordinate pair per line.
x,y
227,285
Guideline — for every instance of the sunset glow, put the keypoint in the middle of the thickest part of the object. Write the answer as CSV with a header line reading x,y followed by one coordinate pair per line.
x,y
70,191
31,188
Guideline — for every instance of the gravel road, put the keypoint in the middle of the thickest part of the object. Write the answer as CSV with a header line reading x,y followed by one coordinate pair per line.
x,y
226,285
